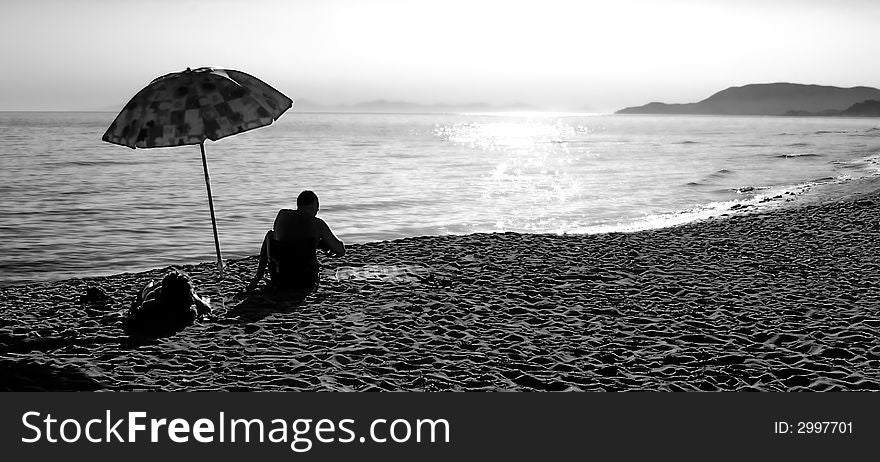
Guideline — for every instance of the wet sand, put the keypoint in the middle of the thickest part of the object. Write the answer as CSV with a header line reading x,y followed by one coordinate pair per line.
x,y
784,300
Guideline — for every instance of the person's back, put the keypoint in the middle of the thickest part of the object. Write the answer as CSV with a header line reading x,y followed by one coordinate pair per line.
x,y
289,250
296,225
292,249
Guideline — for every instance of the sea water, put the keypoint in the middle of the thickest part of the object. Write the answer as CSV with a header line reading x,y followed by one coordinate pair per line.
x,y
73,205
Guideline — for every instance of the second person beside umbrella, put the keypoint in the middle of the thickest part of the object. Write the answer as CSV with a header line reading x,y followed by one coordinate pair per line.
x,y
289,250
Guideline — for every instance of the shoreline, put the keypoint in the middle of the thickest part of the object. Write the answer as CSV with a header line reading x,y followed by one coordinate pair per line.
x,y
776,300
791,196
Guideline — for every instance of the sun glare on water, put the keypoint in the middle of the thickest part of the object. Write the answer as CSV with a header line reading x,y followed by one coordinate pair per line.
x,y
531,176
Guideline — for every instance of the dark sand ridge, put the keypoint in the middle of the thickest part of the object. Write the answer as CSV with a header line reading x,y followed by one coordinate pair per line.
x,y
786,300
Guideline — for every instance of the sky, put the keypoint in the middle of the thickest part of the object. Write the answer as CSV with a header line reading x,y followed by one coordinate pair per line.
x,y
570,55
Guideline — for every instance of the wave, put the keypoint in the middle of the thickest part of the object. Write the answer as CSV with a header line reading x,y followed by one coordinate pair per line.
x,y
721,173
749,189
797,154
711,178
869,164
79,193
771,196
377,205
94,163
688,142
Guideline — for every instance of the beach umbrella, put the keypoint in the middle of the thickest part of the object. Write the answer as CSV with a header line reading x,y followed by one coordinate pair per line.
x,y
189,107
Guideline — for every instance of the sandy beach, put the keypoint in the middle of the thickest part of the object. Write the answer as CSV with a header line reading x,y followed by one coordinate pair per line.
x,y
786,300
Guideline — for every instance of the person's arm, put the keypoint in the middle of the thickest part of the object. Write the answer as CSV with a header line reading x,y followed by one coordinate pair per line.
x,y
261,268
262,264
138,303
140,294
202,306
149,297
329,240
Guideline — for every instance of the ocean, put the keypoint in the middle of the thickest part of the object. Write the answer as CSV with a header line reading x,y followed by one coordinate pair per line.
x,y
74,206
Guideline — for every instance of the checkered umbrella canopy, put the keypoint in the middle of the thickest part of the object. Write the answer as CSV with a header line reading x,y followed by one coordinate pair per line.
x,y
194,105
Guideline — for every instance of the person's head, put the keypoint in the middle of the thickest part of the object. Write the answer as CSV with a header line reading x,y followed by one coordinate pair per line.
x,y
176,287
307,201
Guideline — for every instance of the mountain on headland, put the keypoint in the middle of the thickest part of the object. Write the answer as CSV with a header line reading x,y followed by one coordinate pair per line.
x,y
868,108
768,99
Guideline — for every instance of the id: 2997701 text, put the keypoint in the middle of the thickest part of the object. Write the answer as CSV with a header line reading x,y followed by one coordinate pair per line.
x,y
812,428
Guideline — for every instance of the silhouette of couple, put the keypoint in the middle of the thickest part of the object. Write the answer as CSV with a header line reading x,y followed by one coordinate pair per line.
x,y
289,252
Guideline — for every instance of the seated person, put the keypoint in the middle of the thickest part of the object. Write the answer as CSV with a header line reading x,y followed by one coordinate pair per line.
x,y
289,249
167,306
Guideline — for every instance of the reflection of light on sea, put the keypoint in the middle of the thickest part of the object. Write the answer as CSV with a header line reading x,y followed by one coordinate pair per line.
x,y
530,181
559,175
525,135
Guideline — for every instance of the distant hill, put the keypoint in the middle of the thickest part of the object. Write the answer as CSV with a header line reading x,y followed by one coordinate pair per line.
x,y
768,99
404,106
306,105
386,106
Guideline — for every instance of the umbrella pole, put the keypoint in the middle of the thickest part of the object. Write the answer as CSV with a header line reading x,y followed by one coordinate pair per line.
x,y
211,204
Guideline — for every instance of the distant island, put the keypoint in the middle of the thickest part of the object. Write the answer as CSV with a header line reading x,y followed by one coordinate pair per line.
x,y
386,106
777,99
